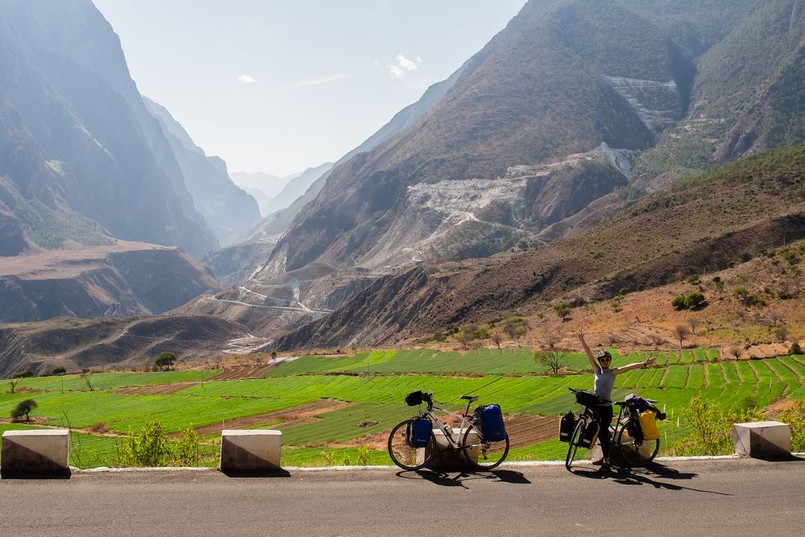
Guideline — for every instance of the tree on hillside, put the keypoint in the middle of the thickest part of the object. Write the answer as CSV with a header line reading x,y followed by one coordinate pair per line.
x,y
165,360
552,359
515,327
23,408
497,338
681,331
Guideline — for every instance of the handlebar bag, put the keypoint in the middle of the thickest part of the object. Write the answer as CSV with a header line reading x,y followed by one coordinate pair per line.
x,y
414,398
418,432
648,424
587,399
566,426
492,425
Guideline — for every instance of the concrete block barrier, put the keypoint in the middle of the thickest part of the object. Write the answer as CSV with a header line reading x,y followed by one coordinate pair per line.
x,y
762,439
446,458
250,451
40,453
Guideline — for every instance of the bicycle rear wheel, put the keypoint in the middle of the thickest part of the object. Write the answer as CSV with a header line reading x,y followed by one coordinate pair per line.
x,y
403,454
634,453
573,446
482,453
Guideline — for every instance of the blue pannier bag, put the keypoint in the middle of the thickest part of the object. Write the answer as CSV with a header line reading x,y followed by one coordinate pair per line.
x,y
419,433
492,425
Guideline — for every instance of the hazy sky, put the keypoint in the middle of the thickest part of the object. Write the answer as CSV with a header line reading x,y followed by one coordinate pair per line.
x,y
281,85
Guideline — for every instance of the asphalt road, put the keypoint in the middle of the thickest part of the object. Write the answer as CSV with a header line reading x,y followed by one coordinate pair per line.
x,y
676,497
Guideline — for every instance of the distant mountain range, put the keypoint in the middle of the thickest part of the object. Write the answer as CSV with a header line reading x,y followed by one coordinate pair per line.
x,y
553,167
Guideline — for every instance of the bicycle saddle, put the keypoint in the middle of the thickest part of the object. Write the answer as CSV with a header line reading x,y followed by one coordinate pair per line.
x,y
470,398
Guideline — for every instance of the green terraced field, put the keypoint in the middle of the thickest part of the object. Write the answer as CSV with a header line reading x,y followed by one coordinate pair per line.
x,y
374,385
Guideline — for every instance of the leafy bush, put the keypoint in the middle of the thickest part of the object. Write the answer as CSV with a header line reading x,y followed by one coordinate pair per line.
x,y
794,416
693,301
712,429
747,298
150,447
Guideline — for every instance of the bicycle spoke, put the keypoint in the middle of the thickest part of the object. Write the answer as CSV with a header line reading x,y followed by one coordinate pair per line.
x,y
405,456
482,453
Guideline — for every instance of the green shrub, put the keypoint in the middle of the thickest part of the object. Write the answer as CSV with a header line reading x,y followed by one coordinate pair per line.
x,y
693,301
712,429
151,447
679,302
794,416
148,447
187,450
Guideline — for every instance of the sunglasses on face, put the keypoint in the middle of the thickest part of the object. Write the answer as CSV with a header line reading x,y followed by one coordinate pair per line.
x,y
605,359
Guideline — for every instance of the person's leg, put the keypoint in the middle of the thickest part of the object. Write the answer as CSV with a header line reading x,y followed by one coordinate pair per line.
x,y
604,417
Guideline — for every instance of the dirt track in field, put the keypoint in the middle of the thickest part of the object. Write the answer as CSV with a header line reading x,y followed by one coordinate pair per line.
x,y
286,418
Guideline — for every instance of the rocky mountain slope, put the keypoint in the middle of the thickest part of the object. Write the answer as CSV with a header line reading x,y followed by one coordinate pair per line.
x,y
77,138
574,110
89,167
746,209
111,280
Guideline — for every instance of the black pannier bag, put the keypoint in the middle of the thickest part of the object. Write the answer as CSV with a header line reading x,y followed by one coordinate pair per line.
x,y
418,432
414,398
566,426
589,435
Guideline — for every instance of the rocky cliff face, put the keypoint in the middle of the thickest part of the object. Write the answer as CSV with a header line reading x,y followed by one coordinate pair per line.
x,y
76,136
227,210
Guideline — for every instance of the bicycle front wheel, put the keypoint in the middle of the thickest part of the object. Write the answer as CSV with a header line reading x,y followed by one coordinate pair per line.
x,y
482,453
634,453
403,454
573,444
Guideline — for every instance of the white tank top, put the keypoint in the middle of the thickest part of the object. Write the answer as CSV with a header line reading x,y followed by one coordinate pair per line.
x,y
604,382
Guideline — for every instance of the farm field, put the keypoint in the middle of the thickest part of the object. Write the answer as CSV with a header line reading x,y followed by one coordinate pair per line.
x,y
340,409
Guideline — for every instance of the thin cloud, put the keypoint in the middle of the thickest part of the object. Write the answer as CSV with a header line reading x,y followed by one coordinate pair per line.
x,y
317,81
403,66
246,79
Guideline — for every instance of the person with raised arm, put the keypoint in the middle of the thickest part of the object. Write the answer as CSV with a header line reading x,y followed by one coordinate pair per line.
x,y
602,387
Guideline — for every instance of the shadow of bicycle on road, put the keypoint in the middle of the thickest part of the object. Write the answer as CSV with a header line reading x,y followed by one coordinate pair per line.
x,y
653,474
458,478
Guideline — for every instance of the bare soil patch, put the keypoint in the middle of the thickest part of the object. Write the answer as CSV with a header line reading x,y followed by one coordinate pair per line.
x,y
525,430
243,372
156,389
287,417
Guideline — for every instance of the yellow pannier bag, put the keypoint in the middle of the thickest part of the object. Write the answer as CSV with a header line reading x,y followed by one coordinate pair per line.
x,y
648,424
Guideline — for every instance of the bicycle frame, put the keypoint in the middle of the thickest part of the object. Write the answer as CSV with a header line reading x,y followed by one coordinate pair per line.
x,y
411,450
466,421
